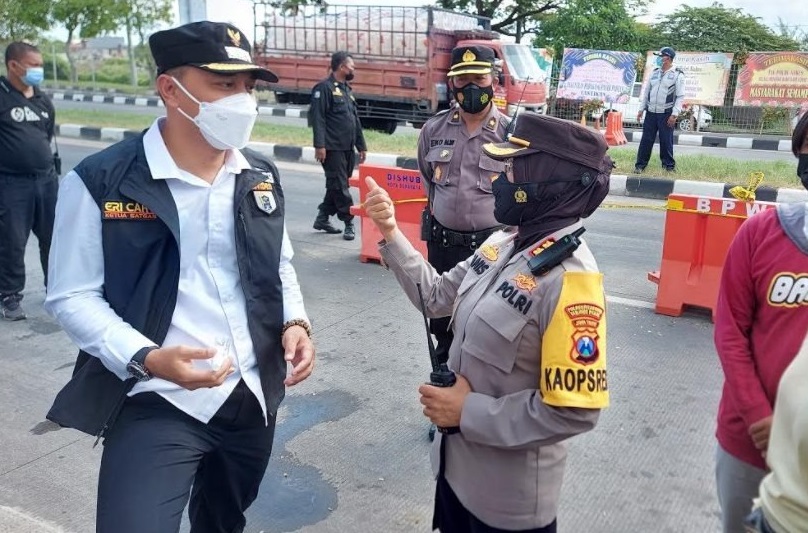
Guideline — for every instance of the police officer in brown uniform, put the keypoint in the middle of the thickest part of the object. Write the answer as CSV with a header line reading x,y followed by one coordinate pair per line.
x,y
457,174
530,332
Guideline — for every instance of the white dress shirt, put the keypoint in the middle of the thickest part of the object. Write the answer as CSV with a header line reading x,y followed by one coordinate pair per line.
x,y
211,309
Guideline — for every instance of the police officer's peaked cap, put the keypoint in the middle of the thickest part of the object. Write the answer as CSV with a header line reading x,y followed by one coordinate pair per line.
x,y
666,51
211,46
565,139
472,60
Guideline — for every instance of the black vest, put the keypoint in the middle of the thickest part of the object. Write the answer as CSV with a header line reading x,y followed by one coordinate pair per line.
x,y
140,236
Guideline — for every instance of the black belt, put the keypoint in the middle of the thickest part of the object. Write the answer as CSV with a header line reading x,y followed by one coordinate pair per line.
x,y
466,239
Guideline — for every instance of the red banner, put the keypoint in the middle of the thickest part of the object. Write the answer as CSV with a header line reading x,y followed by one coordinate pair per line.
x,y
773,78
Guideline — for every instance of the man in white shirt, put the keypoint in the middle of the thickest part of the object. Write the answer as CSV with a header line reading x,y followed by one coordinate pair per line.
x,y
170,269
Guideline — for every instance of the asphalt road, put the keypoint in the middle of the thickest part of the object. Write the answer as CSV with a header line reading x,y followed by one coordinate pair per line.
x,y
351,448
730,153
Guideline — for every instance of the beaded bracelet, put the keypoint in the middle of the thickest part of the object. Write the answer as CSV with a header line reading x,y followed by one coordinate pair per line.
x,y
298,322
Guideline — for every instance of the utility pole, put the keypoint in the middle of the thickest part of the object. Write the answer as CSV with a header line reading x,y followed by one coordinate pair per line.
x,y
53,60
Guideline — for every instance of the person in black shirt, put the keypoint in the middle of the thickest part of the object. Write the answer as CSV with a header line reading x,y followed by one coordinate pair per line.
x,y
28,179
336,132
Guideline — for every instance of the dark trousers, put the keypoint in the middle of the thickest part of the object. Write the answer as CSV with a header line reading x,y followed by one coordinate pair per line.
x,y
338,167
155,453
26,203
451,517
656,123
444,258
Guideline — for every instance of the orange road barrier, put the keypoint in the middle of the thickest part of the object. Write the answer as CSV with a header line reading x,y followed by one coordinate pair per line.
x,y
409,196
698,232
614,129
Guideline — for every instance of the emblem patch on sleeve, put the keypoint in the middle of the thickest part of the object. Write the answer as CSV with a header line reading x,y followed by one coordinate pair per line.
x,y
573,351
265,200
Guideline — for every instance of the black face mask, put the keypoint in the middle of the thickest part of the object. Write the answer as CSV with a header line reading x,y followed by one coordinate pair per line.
x,y
473,98
802,169
349,76
511,199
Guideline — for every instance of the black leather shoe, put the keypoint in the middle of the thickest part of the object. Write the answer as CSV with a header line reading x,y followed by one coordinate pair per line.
x,y
349,232
326,226
638,170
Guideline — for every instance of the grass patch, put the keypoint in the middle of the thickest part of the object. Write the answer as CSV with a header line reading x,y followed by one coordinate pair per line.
x,y
692,167
712,168
103,119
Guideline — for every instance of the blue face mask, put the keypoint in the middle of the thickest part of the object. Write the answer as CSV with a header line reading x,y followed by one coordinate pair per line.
x,y
33,76
659,61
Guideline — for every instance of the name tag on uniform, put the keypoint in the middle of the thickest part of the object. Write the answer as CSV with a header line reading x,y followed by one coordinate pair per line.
x,y
124,210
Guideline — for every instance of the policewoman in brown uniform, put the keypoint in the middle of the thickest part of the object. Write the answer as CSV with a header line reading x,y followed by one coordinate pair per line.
x,y
529,322
456,173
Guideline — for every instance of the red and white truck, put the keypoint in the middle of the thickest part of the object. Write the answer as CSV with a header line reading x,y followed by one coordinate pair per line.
x,y
402,55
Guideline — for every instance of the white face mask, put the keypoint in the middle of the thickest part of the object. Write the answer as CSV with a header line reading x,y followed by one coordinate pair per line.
x,y
226,123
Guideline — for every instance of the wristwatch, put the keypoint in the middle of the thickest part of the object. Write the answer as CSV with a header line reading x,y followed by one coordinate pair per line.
x,y
137,365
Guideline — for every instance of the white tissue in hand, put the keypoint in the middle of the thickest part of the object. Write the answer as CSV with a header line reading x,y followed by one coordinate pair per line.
x,y
222,352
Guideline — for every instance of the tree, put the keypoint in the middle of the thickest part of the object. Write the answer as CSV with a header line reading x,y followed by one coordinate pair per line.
x,y
593,24
23,20
720,29
509,17
87,17
141,16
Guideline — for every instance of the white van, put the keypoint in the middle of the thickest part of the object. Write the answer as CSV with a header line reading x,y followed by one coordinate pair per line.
x,y
631,109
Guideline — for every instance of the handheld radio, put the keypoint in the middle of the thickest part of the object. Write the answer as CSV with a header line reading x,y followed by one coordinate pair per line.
x,y
440,376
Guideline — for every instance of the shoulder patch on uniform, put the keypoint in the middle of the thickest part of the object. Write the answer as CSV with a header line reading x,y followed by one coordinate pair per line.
x,y
573,355
316,94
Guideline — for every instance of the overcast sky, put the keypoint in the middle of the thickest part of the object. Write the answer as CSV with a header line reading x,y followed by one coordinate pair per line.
x,y
240,12
794,12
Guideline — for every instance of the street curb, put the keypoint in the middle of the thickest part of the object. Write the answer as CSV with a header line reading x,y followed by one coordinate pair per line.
x,y
709,141
620,184
684,139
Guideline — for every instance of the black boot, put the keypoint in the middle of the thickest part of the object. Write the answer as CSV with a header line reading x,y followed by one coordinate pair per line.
x,y
322,223
349,232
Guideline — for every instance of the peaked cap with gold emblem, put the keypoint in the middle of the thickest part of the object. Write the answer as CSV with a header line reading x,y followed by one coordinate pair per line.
x,y
212,46
472,60
565,139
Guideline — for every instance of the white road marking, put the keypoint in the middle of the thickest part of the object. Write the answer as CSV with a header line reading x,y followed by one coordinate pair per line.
x,y
630,302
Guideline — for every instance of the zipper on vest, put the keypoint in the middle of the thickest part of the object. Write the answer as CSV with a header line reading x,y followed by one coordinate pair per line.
x,y
113,416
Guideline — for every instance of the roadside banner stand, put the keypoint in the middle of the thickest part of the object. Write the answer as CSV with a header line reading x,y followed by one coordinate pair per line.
x,y
406,189
698,232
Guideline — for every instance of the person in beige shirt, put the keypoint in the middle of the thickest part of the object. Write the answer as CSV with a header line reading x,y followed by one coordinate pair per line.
x,y
783,503
457,174
529,326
